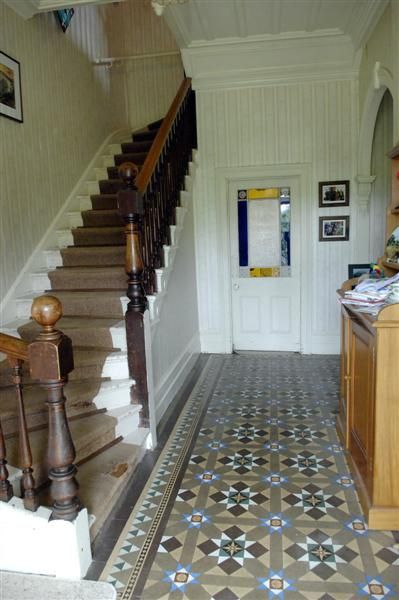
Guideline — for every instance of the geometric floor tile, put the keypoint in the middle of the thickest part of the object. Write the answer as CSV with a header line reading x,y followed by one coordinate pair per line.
x,y
251,498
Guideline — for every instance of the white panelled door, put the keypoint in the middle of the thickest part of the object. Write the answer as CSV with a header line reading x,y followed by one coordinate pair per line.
x,y
264,237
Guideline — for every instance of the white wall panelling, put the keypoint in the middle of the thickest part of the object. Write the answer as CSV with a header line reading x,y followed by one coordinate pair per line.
x,y
311,127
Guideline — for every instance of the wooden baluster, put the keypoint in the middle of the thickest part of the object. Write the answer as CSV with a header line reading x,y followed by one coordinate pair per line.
x,y
31,501
6,491
50,361
130,207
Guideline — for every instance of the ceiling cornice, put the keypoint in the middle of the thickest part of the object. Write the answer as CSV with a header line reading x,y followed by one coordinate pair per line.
x,y
262,60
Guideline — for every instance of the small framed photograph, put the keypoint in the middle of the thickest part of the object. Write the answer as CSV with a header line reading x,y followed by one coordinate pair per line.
x,y
333,193
358,270
333,229
10,88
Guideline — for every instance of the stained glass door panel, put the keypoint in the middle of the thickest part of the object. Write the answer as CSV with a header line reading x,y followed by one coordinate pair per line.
x,y
265,258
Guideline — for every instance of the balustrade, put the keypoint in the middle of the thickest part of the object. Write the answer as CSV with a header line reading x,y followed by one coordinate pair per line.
x,y
148,204
50,360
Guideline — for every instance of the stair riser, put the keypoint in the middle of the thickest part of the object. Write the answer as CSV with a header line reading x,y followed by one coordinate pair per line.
x,y
134,147
144,136
84,445
99,202
53,258
93,257
64,238
98,337
136,158
96,219
113,368
85,237
96,306
86,281
109,187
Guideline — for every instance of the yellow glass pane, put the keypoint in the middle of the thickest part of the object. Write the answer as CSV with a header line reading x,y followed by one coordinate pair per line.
x,y
264,272
262,194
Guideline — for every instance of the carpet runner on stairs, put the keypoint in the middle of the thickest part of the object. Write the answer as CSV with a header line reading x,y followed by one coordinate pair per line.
x,y
91,284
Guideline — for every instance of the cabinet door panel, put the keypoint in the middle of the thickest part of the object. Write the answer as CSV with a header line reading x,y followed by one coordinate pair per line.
x,y
343,423
361,411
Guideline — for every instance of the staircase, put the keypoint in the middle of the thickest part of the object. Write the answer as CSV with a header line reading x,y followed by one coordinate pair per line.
x,y
91,284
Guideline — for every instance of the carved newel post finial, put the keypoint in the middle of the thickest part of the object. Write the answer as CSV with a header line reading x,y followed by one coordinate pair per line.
x,y
131,208
51,360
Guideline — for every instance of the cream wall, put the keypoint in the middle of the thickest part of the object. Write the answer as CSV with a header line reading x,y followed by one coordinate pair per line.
x,y
380,47
65,111
311,123
144,88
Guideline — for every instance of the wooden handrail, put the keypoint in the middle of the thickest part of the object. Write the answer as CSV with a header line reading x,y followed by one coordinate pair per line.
x,y
144,177
13,347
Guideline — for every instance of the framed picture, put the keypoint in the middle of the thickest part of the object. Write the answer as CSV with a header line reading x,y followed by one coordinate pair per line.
x,y
333,193
333,229
357,270
10,88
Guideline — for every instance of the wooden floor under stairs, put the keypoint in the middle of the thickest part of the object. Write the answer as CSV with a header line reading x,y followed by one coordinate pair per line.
x,y
91,285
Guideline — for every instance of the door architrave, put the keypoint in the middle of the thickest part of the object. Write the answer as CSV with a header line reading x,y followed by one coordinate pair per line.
x,y
225,177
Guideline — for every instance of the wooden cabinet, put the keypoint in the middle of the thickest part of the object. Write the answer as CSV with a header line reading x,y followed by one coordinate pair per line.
x,y
368,419
393,211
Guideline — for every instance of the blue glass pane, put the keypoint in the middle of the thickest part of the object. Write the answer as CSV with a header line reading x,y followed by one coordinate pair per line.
x,y
243,232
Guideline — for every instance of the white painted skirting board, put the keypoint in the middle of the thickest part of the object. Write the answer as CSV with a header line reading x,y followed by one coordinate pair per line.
x,y
31,543
325,345
173,380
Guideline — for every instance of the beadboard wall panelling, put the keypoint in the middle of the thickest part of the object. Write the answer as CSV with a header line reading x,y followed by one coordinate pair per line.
x,y
311,123
380,198
147,86
65,106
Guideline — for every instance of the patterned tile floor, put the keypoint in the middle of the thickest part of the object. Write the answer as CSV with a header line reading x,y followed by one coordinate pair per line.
x,y
252,498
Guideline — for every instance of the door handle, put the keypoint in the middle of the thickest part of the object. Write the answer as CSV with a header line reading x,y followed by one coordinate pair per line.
x,y
236,286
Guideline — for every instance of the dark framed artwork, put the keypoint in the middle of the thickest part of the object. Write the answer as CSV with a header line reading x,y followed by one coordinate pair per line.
x,y
333,229
357,270
10,88
333,193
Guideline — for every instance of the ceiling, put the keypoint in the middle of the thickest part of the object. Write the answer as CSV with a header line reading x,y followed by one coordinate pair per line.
x,y
200,22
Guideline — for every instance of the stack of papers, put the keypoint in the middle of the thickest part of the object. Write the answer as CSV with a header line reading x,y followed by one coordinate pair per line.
x,y
370,294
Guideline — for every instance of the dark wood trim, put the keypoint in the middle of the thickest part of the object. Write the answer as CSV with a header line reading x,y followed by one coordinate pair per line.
x,y
144,177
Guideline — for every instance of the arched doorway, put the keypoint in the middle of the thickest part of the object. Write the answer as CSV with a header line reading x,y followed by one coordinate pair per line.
x,y
380,168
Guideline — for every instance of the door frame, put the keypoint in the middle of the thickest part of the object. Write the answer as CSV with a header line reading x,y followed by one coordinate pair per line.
x,y
301,173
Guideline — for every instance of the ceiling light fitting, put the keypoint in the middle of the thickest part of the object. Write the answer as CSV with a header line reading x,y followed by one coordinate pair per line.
x,y
160,5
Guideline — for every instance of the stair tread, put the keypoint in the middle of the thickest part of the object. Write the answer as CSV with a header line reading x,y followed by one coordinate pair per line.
x,y
100,228
102,477
89,433
106,269
29,330
79,394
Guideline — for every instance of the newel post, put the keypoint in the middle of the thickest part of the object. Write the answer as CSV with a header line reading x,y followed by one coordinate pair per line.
x,y
50,361
131,208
